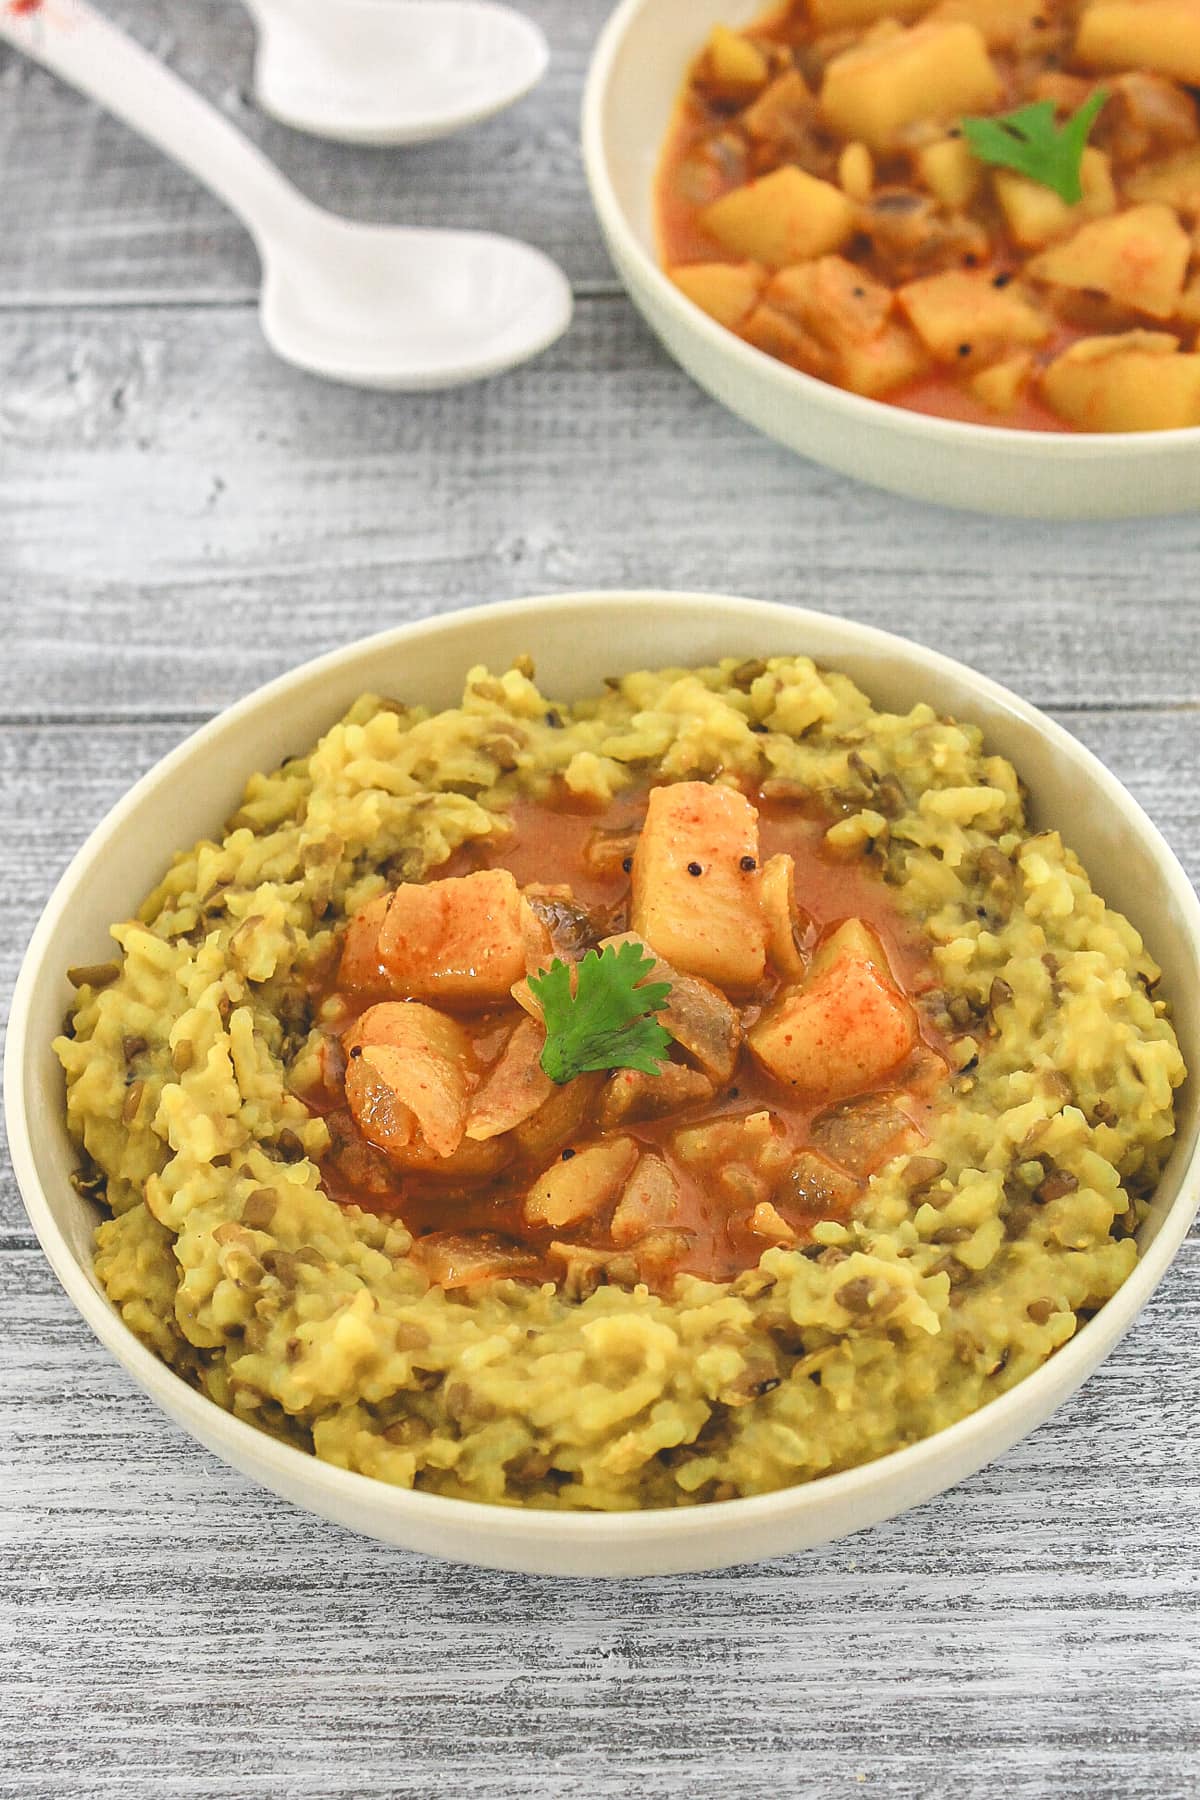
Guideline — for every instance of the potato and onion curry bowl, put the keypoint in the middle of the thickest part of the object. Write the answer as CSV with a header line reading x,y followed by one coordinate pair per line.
x,y
901,234
987,213
637,1102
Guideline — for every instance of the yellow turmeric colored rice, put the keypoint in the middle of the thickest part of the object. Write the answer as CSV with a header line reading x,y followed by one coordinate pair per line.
x,y
308,1319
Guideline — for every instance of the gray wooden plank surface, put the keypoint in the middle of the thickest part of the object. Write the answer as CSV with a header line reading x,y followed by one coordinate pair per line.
x,y
183,517
177,1631
88,211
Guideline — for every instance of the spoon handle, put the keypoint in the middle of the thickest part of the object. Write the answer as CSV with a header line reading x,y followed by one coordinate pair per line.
x,y
81,47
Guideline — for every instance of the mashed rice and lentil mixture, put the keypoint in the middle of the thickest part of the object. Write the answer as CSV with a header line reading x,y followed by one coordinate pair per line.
x,y
912,1090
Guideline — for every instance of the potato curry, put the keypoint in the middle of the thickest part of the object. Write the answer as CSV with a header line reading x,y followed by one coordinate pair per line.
x,y
981,209
618,1047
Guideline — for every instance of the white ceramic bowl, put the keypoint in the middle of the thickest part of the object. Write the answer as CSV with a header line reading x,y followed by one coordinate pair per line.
x,y
576,639
635,78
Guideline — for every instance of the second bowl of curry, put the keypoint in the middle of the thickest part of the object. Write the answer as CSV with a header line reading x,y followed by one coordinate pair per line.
x,y
946,248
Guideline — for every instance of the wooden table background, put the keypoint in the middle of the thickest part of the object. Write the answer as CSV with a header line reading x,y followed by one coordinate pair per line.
x,y
180,518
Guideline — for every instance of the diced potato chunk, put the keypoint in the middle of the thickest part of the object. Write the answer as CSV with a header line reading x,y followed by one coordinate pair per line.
x,y
457,940
695,883
882,363
406,1058
1159,35
739,1159
844,1026
1002,22
950,171
1175,181
727,292
783,217
855,938
832,298
1138,258
779,909
883,84
777,334
469,1163
961,307
514,1087
360,966
834,303
1035,214
1136,381
1000,387
837,15
734,61
650,1200
578,1188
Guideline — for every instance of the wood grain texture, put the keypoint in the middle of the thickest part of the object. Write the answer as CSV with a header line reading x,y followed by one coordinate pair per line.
x,y
183,517
174,1630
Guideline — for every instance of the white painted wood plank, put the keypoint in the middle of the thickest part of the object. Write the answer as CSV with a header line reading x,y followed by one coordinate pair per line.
x,y
182,517
88,211
175,1631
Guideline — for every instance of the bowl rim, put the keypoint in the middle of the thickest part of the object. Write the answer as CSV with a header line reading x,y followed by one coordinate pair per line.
x,y
1064,446
247,1447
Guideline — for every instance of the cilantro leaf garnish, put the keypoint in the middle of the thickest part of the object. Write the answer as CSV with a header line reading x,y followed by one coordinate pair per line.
x,y
606,1023
1030,142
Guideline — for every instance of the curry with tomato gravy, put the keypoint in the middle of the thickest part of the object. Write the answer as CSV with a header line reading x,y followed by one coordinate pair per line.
x,y
823,193
744,1158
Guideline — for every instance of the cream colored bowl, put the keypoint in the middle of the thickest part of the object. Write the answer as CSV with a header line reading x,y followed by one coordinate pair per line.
x,y
635,78
577,639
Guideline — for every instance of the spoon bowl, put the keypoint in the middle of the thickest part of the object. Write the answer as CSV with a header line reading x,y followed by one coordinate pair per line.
x,y
390,307
391,71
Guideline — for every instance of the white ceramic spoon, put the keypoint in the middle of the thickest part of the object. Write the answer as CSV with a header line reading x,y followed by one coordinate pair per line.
x,y
391,71
372,305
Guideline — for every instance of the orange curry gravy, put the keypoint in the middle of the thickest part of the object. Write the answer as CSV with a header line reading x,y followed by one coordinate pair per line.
x,y
703,160
453,1220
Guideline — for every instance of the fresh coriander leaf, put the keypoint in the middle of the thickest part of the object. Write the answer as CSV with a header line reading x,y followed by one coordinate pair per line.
x,y
1030,142
606,1023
